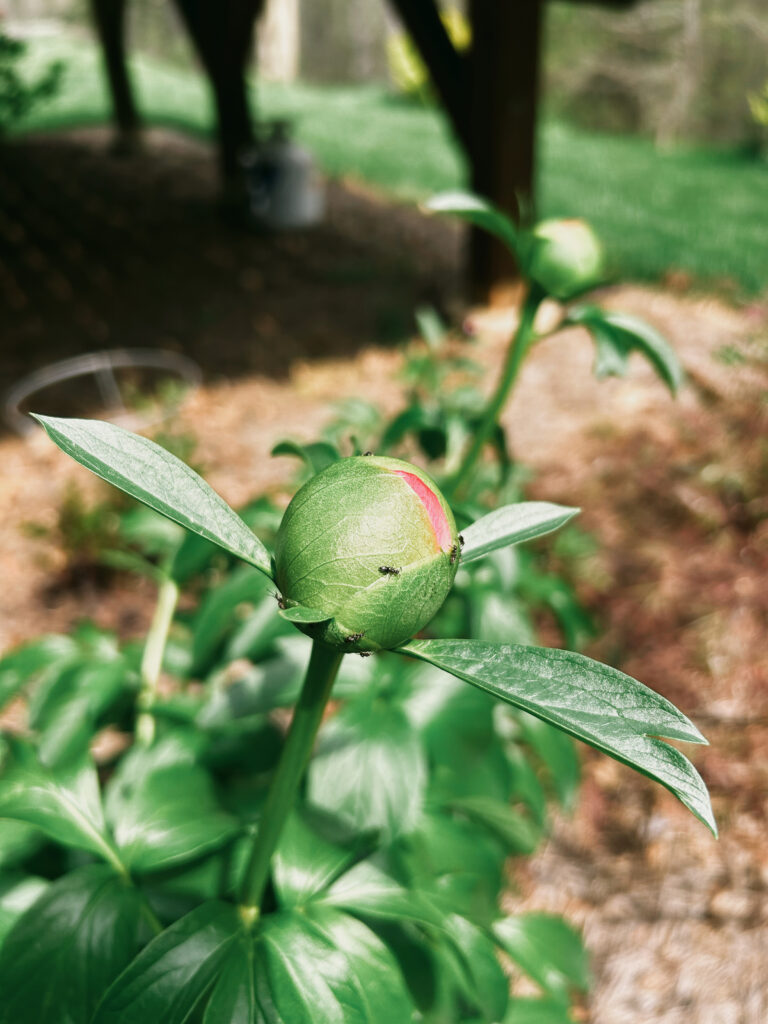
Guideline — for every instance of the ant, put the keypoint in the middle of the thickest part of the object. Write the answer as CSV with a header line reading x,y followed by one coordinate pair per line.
x,y
352,638
388,570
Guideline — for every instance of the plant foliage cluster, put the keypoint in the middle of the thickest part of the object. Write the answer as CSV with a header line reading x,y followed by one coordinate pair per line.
x,y
203,866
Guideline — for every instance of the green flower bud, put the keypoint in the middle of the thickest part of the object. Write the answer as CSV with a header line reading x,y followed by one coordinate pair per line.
x,y
567,257
372,543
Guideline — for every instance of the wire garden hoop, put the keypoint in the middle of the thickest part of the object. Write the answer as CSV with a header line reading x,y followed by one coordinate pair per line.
x,y
102,366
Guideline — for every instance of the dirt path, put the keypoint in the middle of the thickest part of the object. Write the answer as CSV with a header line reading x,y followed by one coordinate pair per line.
x,y
675,495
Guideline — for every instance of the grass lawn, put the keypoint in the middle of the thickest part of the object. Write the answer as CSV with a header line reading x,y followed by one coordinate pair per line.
x,y
704,211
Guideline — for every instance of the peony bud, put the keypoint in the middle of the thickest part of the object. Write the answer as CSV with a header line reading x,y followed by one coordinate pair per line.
x,y
567,257
372,543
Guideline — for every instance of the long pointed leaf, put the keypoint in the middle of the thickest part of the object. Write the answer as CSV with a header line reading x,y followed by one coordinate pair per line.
x,y
151,474
478,212
595,703
617,334
513,524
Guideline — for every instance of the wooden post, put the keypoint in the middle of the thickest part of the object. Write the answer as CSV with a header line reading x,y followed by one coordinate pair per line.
x,y
505,75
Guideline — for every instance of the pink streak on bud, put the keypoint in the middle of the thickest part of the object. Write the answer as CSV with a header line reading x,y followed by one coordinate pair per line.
x,y
434,509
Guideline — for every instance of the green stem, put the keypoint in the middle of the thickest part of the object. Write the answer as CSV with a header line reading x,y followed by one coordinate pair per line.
x,y
152,659
321,672
519,346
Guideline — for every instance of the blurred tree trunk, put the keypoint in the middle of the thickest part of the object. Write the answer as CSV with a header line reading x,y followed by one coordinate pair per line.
x,y
109,20
223,37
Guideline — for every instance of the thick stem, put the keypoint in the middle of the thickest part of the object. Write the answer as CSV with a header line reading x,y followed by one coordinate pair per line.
x,y
518,347
321,672
152,658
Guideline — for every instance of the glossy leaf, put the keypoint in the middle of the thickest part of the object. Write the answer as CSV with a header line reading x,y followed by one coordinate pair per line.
x,y
306,862
244,586
152,475
66,717
369,768
20,666
478,971
557,752
547,949
17,894
455,865
478,212
66,950
164,815
595,703
616,335
368,890
326,966
528,1010
317,455
233,999
513,524
170,977
514,829
64,803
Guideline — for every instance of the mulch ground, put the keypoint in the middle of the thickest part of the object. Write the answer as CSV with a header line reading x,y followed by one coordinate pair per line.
x,y
674,494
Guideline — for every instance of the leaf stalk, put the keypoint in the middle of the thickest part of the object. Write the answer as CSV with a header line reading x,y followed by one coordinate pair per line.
x,y
152,658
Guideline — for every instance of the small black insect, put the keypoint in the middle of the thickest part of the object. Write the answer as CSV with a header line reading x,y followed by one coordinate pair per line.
x,y
454,553
280,601
461,540
352,638
389,570
366,454
365,654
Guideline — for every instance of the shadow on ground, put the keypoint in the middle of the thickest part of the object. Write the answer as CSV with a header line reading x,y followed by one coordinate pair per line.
x,y
98,251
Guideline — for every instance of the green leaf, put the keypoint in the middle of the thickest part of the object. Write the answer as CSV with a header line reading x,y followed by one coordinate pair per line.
x,y
165,814
547,950
326,966
64,952
152,475
431,327
478,212
617,334
479,973
17,894
66,716
20,666
557,752
318,455
304,616
514,829
64,803
595,703
18,842
306,862
368,890
234,1000
457,867
171,976
369,768
217,612
513,524
537,1011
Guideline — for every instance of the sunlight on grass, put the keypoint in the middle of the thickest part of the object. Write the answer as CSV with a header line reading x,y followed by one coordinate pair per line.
x,y
700,210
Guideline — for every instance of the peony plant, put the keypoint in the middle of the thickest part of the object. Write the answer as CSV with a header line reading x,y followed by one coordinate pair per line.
x,y
364,557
